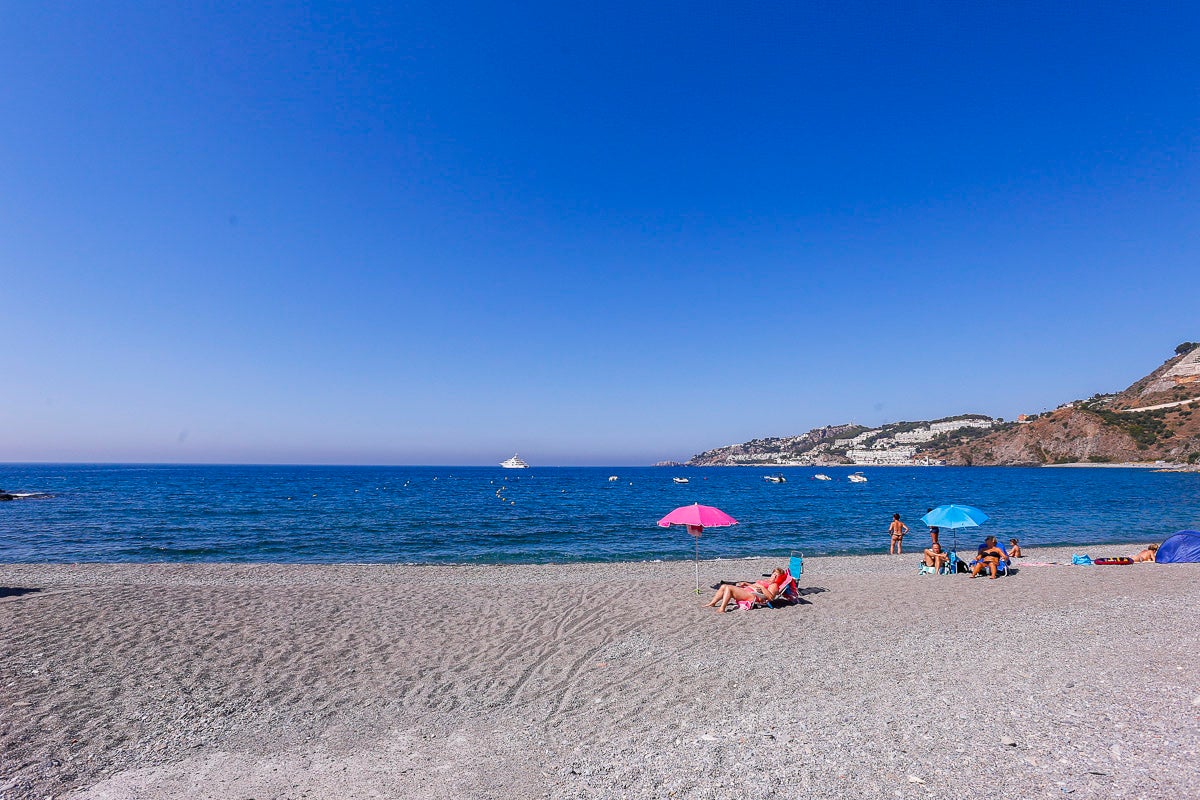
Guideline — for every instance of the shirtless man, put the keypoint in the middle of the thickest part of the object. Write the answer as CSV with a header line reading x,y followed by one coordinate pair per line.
x,y
897,529
1147,555
934,557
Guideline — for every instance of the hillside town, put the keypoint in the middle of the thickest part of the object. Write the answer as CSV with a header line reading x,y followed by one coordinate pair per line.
x,y
895,444
1152,421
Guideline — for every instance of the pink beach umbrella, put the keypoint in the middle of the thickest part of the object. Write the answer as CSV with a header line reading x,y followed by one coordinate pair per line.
x,y
697,517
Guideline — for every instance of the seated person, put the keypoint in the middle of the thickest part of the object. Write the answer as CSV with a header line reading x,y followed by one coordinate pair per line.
x,y
1014,548
1146,555
763,591
935,558
989,557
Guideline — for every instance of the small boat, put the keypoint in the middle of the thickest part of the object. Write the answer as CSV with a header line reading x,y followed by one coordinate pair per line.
x,y
776,478
514,463
856,477
821,476
613,478
680,480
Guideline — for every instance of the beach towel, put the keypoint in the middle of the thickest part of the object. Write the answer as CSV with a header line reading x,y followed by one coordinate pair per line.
x,y
1081,560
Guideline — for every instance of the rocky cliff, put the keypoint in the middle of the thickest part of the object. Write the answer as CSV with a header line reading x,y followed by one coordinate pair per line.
x,y
1156,418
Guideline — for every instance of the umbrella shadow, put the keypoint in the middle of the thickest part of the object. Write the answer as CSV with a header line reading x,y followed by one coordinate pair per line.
x,y
16,591
807,591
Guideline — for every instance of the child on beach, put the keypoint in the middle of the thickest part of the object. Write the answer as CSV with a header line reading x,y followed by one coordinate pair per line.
x,y
897,529
1146,556
1014,548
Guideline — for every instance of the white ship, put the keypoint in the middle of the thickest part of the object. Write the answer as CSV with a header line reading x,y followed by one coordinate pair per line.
x,y
821,476
514,463
776,478
680,480
856,477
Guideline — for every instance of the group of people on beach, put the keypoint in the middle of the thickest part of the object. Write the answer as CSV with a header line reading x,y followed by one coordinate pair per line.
x,y
988,557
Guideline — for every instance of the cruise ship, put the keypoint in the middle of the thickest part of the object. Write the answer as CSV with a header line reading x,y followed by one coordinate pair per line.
x,y
514,463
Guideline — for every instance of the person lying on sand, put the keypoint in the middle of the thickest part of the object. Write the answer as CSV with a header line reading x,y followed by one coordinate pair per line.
x,y
935,558
1014,548
989,557
763,591
1147,555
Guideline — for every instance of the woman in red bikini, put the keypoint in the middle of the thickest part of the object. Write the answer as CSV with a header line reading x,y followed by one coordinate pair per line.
x,y
763,591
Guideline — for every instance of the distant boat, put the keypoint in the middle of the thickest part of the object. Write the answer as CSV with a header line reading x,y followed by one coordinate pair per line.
x,y
613,478
821,476
680,480
514,463
776,478
856,477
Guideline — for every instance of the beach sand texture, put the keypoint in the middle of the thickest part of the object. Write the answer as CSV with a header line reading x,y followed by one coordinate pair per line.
x,y
597,681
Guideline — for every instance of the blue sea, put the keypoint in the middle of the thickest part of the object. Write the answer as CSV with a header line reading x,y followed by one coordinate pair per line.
x,y
144,513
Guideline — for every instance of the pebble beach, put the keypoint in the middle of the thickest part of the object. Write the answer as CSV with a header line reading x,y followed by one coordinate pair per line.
x,y
243,681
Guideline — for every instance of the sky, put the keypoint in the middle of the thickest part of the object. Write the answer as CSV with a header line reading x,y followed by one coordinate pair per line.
x,y
444,232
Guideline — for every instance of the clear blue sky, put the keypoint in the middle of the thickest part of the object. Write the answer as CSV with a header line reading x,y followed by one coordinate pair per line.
x,y
610,234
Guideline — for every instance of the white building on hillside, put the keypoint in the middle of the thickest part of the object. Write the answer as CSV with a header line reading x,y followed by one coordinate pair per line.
x,y
894,456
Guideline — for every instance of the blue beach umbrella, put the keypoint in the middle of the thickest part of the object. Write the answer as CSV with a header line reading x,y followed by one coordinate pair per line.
x,y
954,516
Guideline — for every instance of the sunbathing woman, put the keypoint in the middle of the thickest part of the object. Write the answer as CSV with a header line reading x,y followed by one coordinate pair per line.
x,y
989,557
763,591
1146,556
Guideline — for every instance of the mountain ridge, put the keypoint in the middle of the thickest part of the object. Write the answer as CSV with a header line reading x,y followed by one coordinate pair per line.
x,y
1157,418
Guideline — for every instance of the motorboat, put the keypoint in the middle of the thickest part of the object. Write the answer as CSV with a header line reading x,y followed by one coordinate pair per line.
x,y
821,476
856,477
680,480
613,478
776,478
514,463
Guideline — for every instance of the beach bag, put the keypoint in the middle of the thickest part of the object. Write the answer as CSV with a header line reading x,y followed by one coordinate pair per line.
x,y
1081,561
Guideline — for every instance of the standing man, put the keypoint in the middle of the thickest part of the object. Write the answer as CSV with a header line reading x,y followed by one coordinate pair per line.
x,y
933,531
897,529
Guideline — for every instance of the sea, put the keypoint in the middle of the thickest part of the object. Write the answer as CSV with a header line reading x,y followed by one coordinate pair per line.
x,y
449,515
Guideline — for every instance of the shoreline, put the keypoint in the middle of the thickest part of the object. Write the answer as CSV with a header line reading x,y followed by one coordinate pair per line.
x,y
228,681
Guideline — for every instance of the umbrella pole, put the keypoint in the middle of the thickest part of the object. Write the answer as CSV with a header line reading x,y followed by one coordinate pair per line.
x,y
697,565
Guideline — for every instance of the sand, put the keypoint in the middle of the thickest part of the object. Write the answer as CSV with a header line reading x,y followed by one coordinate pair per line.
x,y
597,681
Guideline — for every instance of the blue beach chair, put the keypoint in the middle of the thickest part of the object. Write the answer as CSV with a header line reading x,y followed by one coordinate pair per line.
x,y
796,564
